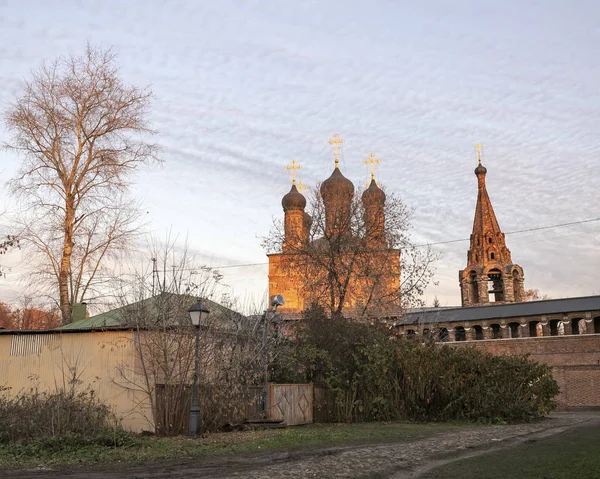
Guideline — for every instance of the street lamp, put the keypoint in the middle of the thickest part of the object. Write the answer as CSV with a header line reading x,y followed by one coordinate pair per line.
x,y
275,302
198,314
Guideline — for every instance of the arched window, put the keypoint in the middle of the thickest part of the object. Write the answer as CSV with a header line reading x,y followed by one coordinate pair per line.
x,y
533,328
443,335
516,290
492,255
576,326
554,327
410,333
490,240
514,330
496,331
477,332
495,286
460,334
473,288
597,325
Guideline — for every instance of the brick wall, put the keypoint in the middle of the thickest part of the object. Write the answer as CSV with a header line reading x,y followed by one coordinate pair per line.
x,y
575,363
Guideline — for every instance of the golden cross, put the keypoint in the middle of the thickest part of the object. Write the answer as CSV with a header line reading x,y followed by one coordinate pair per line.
x,y
478,147
371,160
302,187
293,167
336,141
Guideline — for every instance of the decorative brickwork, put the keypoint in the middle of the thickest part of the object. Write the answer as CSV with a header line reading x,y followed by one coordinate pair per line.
x,y
490,275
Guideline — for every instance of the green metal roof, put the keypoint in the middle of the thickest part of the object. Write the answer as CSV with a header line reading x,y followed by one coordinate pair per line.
x,y
120,317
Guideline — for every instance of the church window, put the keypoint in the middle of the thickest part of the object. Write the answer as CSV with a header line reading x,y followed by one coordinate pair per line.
x,y
410,333
554,327
495,286
478,332
443,335
478,241
533,327
476,258
496,331
514,329
516,289
597,325
576,326
492,255
460,334
474,291
490,240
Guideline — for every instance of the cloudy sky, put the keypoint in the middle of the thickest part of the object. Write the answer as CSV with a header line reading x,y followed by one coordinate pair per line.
x,y
242,87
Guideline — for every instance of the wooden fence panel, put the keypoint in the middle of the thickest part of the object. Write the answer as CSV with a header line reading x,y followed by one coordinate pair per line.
x,y
291,403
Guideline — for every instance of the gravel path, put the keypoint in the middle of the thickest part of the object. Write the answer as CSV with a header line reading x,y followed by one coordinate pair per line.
x,y
393,460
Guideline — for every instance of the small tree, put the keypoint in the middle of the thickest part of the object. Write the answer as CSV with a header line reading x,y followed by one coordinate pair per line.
x,y
81,133
343,271
234,350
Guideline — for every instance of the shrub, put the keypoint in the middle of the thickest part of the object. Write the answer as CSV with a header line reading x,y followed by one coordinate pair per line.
x,y
374,377
58,420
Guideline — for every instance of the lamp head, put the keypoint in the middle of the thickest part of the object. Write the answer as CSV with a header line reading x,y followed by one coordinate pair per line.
x,y
277,301
198,313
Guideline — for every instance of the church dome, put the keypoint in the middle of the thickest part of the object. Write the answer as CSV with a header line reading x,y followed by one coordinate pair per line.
x,y
293,200
337,185
373,193
480,170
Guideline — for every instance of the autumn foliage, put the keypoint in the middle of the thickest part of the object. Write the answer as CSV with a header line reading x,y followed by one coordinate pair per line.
x,y
27,318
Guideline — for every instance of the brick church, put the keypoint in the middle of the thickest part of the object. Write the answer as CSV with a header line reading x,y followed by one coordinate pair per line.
x,y
333,237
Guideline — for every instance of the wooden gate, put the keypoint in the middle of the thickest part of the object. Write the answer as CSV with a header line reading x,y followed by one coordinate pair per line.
x,y
291,403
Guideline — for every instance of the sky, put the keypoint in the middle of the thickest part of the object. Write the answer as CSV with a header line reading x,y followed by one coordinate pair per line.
x,y
242,87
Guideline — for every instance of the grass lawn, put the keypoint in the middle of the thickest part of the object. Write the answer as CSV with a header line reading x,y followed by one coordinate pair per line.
x,y
572,454
143,449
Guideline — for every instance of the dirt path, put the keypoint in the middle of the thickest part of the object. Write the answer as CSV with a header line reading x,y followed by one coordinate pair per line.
x,y
394,460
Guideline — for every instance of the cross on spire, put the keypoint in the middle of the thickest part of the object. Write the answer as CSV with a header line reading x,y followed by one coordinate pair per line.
x,y
336,141
301,186
293,167
372,161
479,148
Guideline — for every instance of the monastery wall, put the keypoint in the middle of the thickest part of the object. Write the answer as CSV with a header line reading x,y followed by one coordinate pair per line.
x,y
575,363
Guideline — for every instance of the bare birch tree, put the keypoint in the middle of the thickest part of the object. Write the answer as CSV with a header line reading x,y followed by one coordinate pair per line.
x,y
80,133
343,271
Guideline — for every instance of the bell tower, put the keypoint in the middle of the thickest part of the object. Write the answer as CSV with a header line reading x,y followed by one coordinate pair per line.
x,y
490,275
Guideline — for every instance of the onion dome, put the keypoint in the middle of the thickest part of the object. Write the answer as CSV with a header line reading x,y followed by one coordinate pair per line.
x,y
373,193
294,200
337,185
480,170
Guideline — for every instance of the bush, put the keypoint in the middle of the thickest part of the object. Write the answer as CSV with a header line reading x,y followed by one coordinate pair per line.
x,y
58,420
377,378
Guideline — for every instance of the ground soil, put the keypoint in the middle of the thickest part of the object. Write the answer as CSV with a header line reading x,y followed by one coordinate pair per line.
x,y
391,460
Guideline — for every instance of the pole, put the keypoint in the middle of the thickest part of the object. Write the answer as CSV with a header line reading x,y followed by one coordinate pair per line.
x,y
195,409
266,404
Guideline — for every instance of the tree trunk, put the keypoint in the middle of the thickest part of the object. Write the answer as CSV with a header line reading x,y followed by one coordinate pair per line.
x,y
65,265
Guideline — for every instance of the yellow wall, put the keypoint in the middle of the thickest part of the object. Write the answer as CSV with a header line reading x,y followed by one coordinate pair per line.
x,y
103,361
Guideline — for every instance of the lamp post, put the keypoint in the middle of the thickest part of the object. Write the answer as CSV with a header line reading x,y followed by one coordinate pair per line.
x,y
275,302
198,313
